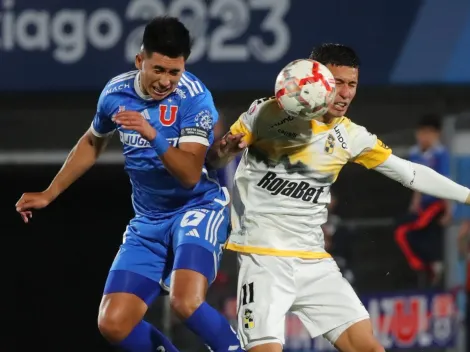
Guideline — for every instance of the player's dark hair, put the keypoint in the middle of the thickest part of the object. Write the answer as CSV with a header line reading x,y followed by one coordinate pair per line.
x,y
335,54
167,36
430,121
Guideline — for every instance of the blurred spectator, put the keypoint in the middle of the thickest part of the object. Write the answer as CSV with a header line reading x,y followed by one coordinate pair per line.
x,y
419,235
337,240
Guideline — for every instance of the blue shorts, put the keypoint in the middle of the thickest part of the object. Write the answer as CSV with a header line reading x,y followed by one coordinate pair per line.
x,y
152,249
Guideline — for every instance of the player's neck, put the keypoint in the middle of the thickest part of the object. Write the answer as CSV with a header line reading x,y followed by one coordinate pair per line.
x,y
325,119
141,87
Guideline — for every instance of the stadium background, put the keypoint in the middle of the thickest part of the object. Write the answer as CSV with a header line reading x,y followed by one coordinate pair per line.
x,y
55,58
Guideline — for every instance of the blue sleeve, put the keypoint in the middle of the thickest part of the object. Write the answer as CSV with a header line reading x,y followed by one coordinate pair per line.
x,y
198,120
102,124
443,164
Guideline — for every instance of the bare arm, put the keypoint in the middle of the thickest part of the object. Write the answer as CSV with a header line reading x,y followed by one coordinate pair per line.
x,y
81,158
185,162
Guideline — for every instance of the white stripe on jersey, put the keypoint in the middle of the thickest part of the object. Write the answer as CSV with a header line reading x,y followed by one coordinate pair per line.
x,y
208,226
193,87
123,76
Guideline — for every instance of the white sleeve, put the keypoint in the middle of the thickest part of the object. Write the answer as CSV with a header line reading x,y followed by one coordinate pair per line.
x,y
422,179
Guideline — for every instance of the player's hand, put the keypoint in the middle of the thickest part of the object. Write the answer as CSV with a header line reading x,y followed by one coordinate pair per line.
x,y
29,201
232,144
134,121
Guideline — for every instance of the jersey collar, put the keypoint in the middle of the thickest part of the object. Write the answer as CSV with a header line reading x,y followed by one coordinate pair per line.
x,y
138,90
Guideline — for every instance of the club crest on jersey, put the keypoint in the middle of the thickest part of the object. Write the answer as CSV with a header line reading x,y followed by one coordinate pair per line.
x,y
168,118
330,144
248,319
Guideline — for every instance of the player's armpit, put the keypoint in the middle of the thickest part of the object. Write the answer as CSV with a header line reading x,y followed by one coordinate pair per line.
x,y
423,179
185,162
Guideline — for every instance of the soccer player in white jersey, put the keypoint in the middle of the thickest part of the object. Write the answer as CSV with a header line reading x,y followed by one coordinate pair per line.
x,y
283,187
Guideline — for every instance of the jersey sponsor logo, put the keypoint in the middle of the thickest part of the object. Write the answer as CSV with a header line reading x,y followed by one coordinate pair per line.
x,y
136,140
117,88
340,138
283,121
297,190
287,133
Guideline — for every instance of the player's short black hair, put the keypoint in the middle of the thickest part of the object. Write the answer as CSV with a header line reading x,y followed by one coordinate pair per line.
x,y
335,54
430,121
167,36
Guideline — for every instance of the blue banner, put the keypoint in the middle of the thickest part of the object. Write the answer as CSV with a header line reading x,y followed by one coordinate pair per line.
x,y
413,320
239,44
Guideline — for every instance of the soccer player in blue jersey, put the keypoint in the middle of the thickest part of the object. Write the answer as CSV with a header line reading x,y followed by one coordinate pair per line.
x,y
165,119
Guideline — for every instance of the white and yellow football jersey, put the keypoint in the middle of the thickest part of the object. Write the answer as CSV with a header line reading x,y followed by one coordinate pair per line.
x,y
282,184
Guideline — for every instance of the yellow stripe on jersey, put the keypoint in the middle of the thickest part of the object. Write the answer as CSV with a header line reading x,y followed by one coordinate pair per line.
x,y
373,157
318,127
277,252
239,127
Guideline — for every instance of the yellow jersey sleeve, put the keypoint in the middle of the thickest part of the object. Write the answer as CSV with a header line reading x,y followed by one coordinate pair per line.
x,y
366,149
241,127
247,121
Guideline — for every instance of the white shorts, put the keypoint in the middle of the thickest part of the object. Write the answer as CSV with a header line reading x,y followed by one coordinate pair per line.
x,y
313,289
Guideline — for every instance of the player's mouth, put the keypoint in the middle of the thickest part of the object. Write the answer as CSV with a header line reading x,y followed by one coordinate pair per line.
x,y
340,106
160,92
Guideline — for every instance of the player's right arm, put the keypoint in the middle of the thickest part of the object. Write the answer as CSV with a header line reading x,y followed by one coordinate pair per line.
x,y
81,158
240,136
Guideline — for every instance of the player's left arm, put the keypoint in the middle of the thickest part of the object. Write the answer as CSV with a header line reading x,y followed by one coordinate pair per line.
x,y
372,153
423,179
197,134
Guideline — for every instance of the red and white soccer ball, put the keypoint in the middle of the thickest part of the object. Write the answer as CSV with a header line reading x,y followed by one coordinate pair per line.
x,y
305,88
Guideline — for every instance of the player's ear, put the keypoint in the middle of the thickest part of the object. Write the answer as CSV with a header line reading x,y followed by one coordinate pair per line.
x,y
138,61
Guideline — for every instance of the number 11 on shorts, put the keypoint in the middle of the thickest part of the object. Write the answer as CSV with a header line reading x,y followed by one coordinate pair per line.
x,y
248,295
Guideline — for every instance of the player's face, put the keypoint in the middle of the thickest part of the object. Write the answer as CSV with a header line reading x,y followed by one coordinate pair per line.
x,y
159,74
426,137
346,84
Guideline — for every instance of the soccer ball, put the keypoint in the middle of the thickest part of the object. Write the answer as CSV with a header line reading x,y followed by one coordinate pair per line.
x,y
305,89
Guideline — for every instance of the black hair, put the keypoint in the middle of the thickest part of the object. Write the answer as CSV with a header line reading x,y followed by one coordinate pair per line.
x,y
430,121
167,36
335,54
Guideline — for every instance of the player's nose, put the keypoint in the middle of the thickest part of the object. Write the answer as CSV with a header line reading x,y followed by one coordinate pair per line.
x,y
164,82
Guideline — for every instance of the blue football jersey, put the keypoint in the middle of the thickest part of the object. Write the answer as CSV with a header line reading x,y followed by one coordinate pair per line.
x,y
186,115
436,158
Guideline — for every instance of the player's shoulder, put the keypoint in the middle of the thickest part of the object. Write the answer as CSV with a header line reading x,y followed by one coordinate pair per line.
x,y
122,82
191,87
118,85
349,126
266,106
440,149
